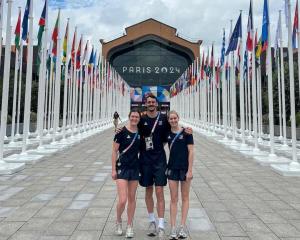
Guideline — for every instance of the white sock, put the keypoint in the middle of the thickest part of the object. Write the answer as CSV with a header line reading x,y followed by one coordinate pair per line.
x,y
161,223
152,217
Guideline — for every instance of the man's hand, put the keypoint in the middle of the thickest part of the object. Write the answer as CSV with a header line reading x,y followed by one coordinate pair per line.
x,y
188,130
118,130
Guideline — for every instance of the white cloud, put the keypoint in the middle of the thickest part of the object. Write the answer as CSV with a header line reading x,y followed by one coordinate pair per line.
x,y
194,19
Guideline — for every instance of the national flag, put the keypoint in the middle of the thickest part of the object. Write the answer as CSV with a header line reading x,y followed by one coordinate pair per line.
x,y
42,23
245,65
265,27
218,67
65,44
78,55
295,26
278,31
25,21
73,48
223,50
259,49
238,60
249,42
235,36
85,52
18,32
55,36
202,67
91,63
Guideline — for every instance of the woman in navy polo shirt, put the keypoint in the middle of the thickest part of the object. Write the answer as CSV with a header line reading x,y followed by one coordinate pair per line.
x,y
179,169
125,170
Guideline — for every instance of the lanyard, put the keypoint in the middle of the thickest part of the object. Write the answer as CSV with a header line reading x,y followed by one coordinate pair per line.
x,y
154,126
126,149
177,135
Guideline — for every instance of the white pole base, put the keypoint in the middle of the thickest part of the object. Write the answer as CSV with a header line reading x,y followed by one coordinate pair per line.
x,y
288,170
42,151
271,159
10,168
23,158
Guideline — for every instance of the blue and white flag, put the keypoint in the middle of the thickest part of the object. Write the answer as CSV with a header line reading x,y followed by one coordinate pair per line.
x,y
235,36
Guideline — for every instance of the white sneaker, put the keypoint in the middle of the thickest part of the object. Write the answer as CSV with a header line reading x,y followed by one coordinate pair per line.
x,y
173,234
152,231
118,230
129,232
161,234
182,233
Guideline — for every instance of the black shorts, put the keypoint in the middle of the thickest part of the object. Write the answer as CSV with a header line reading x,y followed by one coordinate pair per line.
x,y
129,174
153,175
176,174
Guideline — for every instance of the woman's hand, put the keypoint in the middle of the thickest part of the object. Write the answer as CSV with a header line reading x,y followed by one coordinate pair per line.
x,y
114,174
189,175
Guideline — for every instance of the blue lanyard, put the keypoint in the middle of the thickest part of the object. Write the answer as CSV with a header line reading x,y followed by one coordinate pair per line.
x,y
173,141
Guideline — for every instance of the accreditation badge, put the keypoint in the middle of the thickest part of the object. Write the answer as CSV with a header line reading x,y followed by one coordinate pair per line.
x,y
149,143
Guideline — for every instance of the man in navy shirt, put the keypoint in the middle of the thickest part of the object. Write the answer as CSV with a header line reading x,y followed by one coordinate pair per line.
x,y
154,129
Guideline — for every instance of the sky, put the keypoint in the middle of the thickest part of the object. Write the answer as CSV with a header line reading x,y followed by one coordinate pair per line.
x,y
193,19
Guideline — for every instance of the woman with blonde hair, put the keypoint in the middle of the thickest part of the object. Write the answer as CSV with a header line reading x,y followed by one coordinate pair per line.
x,y
179,170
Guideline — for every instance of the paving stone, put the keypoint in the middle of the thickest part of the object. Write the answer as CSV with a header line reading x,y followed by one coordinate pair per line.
x,y
78,205
71,195
62,228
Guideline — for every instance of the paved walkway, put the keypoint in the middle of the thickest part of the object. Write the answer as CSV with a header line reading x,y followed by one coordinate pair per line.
x,y
71,196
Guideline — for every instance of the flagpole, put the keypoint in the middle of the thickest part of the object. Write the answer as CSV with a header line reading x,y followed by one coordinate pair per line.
x,y
224,88
80,87
270,90
28,80
254,94
12,135
298,36
57,82
242,106
282,84
66,83
42,76
50,93
74,85
294,163
1,29
19,89
279,95
6,76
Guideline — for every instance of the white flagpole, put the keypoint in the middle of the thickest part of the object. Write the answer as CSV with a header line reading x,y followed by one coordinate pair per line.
x,y
80,87
1,29
6,76
279,95
282,84
270,91
298,36
28,80
224,96
50,93
17,56
57,83
254,94
42,80
259,100
66,84
292,91
249,99
242,106
73,86
19,89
